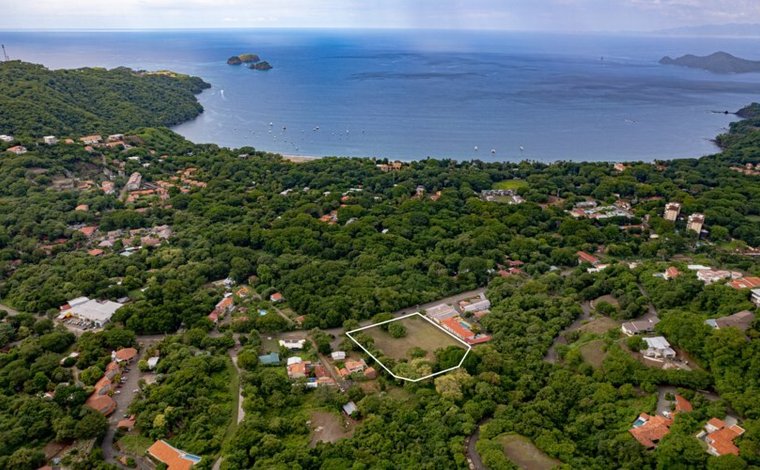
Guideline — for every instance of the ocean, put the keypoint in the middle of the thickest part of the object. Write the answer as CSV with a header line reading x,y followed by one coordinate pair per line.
x,y
407,95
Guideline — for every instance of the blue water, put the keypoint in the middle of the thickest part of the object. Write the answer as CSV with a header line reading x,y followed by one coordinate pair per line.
x,y
410,95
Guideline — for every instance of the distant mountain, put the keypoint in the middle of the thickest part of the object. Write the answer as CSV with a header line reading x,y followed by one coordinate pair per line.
x,y
719,62
732,29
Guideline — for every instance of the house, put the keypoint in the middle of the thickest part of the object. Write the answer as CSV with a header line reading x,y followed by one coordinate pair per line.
x,y
658,348
18,150
91,139
108,187
695,222
682,405
710,276
755,297
720,437
103,404
639,326
243,292
124,355
82,208
226,305
671,273
745,283
6,138
173,458
271,359
672,210
584,257
475,304
95,252
355,366
649,430
292,343
297,368
115,137
49,140
112,370
441,312
456,327
213,317
619,167
276,297
338,355
741,320
126,424
350,408
88,231
134,181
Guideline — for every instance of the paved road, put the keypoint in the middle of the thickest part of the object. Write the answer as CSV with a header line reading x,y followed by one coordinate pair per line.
x,y
473,457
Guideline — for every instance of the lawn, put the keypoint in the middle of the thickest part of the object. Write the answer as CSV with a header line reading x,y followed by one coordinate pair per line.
x,y
510,184
599,325
593,353
135,444
523,453
419,333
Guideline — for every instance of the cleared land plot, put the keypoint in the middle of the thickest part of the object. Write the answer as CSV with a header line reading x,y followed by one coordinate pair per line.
x,y
328,427
510,184
419,333
593,352
523,453
599,325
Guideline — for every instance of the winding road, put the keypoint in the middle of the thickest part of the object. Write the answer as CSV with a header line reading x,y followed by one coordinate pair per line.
x,y
473,458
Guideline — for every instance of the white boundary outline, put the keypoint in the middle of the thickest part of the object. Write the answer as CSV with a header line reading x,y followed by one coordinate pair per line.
x,y
467,346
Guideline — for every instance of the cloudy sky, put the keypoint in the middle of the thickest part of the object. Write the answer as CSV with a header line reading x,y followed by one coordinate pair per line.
x,y
564,15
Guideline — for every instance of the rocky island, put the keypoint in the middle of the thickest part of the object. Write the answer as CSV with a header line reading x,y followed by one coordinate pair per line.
x,y
719,62
253,60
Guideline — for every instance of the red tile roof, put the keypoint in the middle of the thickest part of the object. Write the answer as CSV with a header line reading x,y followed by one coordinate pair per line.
x,y
95,252
587,258
682,405
455,327
745,283
170,456
672,272
101,403
649,433
125,354
89,230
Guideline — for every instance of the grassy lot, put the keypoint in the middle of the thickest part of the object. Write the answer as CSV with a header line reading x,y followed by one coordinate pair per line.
x,y
419,333
599,325
328,427
606,298
593,352
135,444
510,184
523,453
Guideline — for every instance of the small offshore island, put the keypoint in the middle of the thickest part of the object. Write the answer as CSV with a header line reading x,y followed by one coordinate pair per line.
x,y
253,60
718,62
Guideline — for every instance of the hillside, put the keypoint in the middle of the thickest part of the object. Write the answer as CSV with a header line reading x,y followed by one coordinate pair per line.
x,y
38,101
719,62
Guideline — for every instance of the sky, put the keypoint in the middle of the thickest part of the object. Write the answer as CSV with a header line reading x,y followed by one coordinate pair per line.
x,y
521,15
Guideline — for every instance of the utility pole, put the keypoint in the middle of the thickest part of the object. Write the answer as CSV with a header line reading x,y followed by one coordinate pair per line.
x,y
5,54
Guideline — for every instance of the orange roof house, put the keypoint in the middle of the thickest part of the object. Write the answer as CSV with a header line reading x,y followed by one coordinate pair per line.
x,y
672,273
226,304
127,423
584,257
370,373
682,405
95,252
453,325
745,283
173,458
276,297
124,354
82,208
103,404
652,431
720,437
89,230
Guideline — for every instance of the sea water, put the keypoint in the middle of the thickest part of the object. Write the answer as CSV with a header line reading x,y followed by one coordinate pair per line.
x,y
493,96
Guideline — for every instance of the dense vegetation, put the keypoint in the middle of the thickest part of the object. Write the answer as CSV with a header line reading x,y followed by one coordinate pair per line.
x,y
37,101
394,245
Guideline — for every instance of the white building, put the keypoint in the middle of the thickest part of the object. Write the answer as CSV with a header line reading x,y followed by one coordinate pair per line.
x,y
292,343
97,312
6,138
134,182
50,140
338,355
659,348
152,362
441,312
